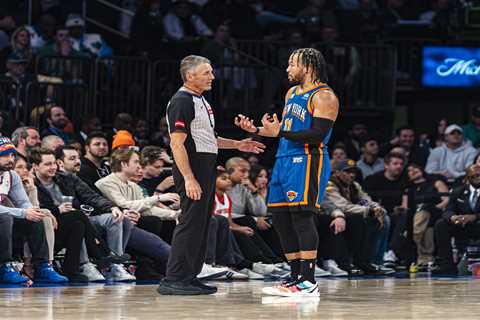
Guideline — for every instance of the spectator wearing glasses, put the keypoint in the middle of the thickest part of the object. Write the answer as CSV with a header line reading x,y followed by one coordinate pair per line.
x,y
451,159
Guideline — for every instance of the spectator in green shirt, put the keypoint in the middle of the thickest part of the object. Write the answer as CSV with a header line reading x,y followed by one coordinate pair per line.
x,y
60,59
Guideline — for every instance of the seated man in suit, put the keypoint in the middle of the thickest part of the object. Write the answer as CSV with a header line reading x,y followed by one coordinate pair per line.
x,y
459,221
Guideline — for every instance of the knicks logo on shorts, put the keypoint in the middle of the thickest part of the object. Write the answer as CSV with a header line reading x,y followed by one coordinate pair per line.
x,y
297,160
291,195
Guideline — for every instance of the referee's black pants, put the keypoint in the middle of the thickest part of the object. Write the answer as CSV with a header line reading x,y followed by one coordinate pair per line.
x,y
189,241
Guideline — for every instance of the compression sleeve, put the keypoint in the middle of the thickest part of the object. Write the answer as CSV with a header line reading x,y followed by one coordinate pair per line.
x,y
314,135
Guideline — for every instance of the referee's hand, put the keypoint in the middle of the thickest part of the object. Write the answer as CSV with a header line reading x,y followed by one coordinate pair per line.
x,y
193,189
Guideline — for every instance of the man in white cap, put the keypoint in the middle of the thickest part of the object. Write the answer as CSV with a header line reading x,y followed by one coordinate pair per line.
x,y
453,157
92,43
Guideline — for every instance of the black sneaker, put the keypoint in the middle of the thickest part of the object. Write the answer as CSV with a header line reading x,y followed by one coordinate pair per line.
x,y
352,269
112,258
444,270
374,270
196,282
76,277
180,288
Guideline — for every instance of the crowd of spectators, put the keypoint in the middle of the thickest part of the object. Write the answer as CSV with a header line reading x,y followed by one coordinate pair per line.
x,y
166,29
103,204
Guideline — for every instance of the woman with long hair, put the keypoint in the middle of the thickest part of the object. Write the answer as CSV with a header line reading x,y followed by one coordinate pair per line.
x,y
20,43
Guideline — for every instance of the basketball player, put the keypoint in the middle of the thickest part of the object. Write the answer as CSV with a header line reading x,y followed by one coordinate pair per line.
x,y
302,166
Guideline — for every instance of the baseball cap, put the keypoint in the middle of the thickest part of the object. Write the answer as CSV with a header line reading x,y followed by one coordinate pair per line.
x,y
344,165
6,146
453,127
16,57
74,20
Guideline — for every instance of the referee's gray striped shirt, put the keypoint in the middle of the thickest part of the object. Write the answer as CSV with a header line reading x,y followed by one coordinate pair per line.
x,y
190,113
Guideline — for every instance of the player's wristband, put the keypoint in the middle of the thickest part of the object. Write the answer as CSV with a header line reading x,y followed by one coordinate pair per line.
x,y
257,131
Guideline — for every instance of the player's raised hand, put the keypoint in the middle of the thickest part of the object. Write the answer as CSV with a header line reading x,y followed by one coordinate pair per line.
x,y
271,125
245,123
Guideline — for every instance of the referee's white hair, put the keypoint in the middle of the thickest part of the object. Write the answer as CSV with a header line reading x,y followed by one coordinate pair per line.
x,y
189,63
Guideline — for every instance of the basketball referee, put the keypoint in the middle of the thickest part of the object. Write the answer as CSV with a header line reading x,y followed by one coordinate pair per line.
x,y
194,144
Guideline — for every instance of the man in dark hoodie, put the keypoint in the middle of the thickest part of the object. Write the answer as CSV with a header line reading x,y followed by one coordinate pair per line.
x,y
94,165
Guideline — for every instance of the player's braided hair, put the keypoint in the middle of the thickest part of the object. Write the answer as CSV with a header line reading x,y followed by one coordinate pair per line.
x,y
313,60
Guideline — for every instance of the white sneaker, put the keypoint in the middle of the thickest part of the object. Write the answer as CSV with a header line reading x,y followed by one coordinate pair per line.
x,y
319,272
389,258
90,271
297,289
332,267
252,275
384,269
264,269
284,266
118,273
211,272
233,275
269,270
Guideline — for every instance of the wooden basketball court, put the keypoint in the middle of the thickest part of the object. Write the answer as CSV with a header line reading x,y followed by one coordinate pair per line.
x,y
385,298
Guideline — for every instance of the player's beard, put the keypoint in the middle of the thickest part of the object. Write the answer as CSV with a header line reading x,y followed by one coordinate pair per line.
x,y
296,79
